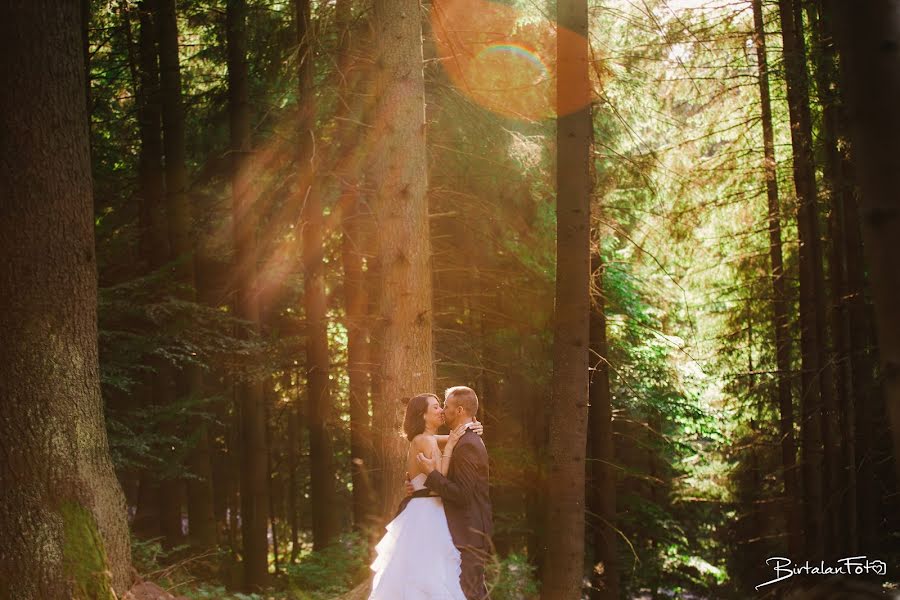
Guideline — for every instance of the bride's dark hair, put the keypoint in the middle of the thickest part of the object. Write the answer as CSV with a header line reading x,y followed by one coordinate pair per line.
x,y
414,421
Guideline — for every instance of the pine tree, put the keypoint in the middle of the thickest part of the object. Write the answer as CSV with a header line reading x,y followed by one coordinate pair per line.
x,y
63,522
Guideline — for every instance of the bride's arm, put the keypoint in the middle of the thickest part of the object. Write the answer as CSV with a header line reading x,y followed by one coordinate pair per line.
x,y
443,458
476,426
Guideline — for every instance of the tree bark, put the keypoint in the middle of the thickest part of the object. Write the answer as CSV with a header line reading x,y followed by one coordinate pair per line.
x,y
356,301
837,187
780,320
863,380
399,182
63,522
563,569
815,376
254,453
178,215
605,581
869,38
293,455
153,241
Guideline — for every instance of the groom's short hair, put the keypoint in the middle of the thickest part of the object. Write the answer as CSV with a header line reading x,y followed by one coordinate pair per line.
x,y
465,397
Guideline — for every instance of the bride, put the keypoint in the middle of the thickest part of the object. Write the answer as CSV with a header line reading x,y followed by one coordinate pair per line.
x,y
417,559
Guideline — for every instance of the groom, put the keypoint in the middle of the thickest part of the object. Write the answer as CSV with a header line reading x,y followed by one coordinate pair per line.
x,y
467,502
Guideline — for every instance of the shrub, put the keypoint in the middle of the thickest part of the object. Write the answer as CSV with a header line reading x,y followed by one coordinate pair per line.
x,y
511,578
333,570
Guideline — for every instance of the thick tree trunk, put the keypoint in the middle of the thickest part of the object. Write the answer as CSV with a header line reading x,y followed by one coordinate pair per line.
x,y
868,38
781,322
399,183
563,569
815,377
605,581
62,512
254,454
325,520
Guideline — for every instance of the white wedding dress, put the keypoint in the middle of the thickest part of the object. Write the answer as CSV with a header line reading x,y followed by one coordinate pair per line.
x,y
416,557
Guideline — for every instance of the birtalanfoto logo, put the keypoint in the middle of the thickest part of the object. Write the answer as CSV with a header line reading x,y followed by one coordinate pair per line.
x,y
785,568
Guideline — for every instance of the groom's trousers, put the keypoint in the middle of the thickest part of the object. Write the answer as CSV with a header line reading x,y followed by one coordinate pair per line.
x,y
472,577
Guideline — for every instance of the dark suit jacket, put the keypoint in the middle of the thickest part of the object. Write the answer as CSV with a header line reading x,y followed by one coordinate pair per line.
x,y
467,501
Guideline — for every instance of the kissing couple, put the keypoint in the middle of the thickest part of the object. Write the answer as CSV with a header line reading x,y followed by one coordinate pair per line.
x,y
436,546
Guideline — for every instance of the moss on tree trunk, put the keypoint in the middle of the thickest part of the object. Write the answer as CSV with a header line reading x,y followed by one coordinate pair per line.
x,y
84,557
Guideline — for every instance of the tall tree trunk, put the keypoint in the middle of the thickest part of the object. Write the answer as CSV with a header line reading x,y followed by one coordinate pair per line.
x,y
605,581
863,368
178,214
780,320
869,35
151,175
254,454
357,362
325,519
62,512
273,495
815,379
399,183
293,458
535,496
563,570
154,241
356,301
373,284
837,187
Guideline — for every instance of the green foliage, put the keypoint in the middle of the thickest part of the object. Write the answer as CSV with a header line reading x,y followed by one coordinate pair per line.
x,y
511,578
171,569
331,571
146,555
213,592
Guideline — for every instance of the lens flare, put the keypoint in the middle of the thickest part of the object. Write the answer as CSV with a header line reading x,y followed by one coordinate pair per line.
x,y
511,52
501,60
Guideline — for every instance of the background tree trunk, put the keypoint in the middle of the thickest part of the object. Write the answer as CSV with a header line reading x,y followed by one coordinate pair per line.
x,y
325,520
563,569
254,453
63,522
842,459
605,581
153,233
355,297
357,362
781,322
814,379
399,182
178,214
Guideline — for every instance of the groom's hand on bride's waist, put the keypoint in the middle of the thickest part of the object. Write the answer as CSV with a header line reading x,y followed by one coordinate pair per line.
x,y
409,486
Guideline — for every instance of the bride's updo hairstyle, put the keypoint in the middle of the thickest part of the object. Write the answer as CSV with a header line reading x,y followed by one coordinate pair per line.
x,y
414,421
